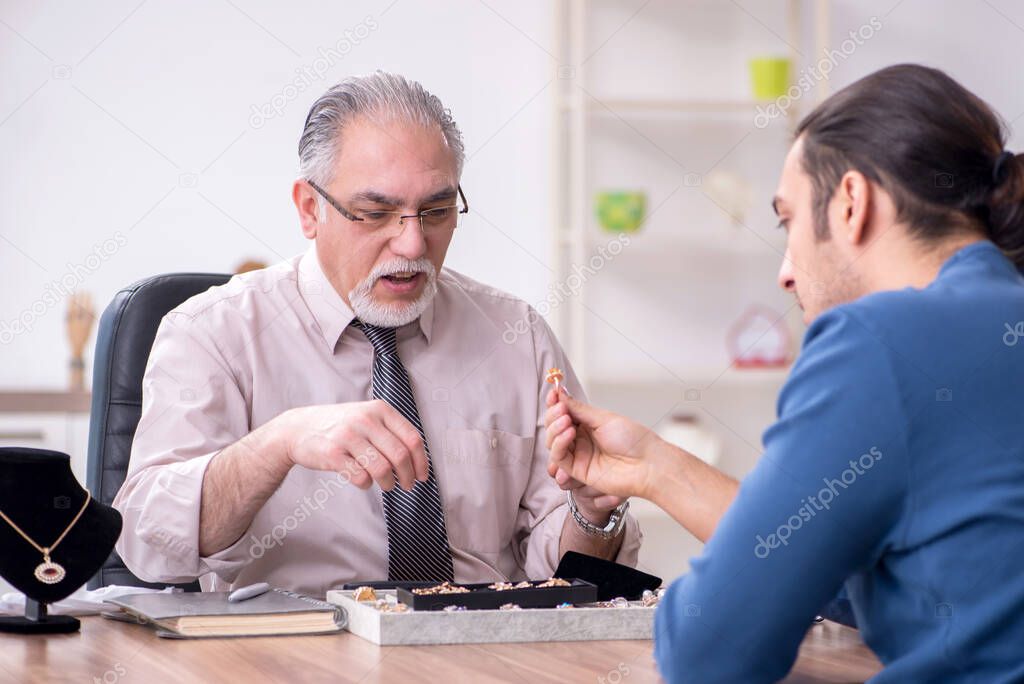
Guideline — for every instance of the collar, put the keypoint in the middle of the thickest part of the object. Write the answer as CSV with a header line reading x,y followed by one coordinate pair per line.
x,y
332,315
427,317
982,250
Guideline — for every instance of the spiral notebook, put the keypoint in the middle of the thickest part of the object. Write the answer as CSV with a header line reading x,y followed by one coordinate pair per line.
x,y
208,614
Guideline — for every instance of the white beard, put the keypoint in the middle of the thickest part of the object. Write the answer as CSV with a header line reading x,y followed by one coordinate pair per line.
x,y
382,315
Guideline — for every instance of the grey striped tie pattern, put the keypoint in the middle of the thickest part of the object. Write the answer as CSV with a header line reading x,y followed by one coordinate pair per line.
x,y
417,538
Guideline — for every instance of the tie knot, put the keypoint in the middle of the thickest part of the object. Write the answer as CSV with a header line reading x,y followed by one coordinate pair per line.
x,y
382,339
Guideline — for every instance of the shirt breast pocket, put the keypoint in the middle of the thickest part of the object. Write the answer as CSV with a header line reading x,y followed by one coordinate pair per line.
x,y
484,476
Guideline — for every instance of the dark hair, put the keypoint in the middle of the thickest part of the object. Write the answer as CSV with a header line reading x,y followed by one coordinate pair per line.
x,y
934,146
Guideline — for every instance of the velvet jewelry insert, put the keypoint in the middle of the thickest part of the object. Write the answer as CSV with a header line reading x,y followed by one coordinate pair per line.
x,y
542,594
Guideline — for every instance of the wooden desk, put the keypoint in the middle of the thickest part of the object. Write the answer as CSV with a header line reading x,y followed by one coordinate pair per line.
x,y
113,652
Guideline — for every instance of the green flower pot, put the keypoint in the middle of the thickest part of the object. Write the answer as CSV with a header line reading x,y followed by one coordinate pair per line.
x,y
621,211
769,77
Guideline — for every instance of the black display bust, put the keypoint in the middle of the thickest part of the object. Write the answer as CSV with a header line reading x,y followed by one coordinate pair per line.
x,y
40,495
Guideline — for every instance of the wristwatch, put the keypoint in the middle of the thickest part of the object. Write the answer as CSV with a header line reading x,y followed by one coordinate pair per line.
x,y
616,521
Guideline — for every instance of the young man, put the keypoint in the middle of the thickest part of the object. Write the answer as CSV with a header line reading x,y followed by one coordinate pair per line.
x,y
896,467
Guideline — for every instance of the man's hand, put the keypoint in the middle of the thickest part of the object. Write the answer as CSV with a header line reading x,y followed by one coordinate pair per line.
x,y
369,440
595,505
618,457
599,449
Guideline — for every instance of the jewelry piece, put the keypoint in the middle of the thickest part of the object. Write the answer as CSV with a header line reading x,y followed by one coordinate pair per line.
x,y
365,594
565,605
500,586
385,606
443,588
554,582
649,598
453,609
555,377
49,572
511,606
617,602
524,585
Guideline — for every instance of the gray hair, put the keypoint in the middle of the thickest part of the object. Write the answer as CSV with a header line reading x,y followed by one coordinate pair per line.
x,y
380,95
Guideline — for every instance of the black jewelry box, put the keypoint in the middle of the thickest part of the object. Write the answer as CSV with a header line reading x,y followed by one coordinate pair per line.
x,y
482,597
612,579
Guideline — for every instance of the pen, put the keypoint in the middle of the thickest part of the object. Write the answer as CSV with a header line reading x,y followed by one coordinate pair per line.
x,y
251,591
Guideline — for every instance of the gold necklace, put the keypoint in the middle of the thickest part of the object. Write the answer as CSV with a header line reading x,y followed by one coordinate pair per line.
x,y
49,572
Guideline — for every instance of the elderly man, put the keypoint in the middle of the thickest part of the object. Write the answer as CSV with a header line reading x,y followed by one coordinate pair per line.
x,y
353,413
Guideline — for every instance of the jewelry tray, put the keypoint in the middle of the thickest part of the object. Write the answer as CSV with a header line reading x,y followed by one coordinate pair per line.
x,y
419,627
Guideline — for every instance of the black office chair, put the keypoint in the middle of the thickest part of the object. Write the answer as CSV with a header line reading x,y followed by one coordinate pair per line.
x,y
123,342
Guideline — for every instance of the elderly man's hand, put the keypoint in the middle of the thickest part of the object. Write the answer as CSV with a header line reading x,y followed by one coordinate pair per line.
x,y
368,440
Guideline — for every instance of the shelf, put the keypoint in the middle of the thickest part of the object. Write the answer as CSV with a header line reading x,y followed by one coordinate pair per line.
x,y
699,377
629,105
657,247
615,106
44,401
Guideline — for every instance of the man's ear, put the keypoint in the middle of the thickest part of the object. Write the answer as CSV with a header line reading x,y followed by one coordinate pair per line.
x,y
305,203
854,198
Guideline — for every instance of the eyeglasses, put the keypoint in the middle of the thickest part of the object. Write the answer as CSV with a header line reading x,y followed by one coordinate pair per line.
x,y
432,220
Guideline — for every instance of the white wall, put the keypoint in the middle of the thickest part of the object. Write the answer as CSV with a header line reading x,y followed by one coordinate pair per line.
x,y
110,111
121,119
981,44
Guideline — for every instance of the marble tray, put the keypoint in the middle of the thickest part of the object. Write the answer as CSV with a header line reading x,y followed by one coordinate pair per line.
x,y
586,623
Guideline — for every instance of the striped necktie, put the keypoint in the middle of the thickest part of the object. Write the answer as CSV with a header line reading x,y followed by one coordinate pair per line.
x,y
417,538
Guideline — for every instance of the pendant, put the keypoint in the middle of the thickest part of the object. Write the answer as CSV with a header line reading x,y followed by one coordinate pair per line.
x,y
49,572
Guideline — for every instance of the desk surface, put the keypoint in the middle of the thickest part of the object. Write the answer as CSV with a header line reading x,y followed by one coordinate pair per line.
x,y
109,651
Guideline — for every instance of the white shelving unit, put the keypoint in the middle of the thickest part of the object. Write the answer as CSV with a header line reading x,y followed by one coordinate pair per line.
x,y
583,107
652,97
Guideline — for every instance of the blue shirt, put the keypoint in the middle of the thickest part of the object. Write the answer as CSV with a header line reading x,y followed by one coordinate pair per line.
x,y
896,467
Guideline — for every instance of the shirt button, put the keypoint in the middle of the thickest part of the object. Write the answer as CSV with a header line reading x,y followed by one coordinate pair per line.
x,y
494,442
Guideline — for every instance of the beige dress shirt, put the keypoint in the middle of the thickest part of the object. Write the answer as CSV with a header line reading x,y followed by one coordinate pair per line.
x,y
231,359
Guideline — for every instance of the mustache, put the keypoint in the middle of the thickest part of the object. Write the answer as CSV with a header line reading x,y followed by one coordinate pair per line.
x,y
389,267
392,266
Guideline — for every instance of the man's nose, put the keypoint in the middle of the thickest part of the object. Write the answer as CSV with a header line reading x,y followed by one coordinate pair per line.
x,y
410,243
786,280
